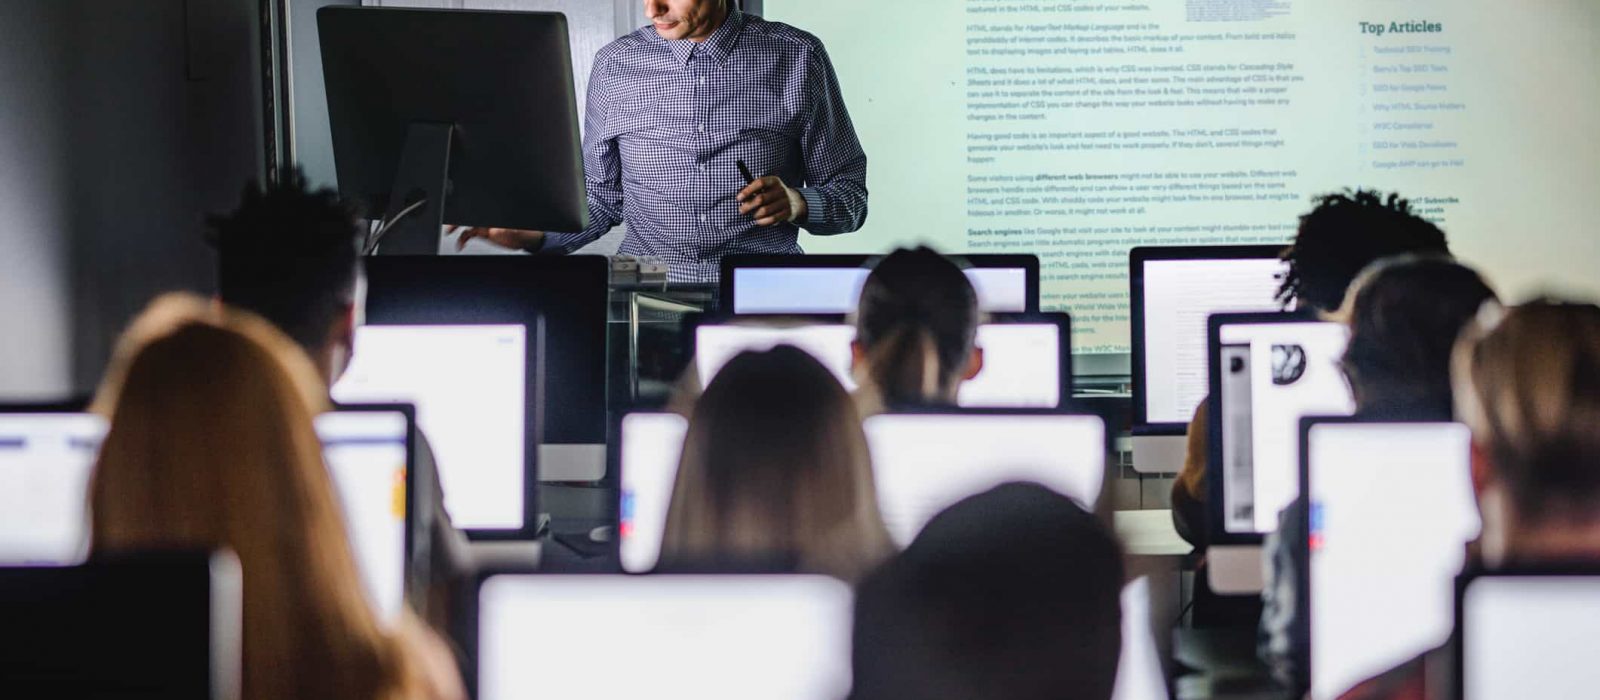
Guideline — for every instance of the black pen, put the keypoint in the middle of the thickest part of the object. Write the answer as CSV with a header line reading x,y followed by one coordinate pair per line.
x,y
745,171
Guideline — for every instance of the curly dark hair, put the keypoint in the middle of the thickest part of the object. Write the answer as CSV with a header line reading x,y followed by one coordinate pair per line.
x,y
291,254
1342,234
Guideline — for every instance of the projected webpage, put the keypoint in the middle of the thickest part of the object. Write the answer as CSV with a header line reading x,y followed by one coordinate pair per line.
x,y
1022,361
926,463
1392,510
836,290
1179,296
1076,130
630,637
45,464
366,456
1272,375
468,385
1530,637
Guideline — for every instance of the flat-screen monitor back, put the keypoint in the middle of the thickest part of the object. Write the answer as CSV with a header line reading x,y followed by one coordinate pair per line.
x,y
1172,291
1528,634
926,462
1267,371
831,284
165,625
724,637
1391,509
503,79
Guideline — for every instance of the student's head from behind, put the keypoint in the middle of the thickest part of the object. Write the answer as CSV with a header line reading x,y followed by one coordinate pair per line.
x,y
1404,315
291,255
916,325
1342,234
1527,382
211,445
1013,593
775,473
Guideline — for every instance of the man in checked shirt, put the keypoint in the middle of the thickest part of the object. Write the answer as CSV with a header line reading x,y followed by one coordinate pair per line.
x,y
675,106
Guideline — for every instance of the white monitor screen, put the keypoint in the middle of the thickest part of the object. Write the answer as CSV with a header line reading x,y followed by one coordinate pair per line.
x,y
366,456
836,290
1022,367
467,383
1179,296
1392,509
925,463
629,637
1139,674
45,463
1076,130
651,444
1530,637
1272,375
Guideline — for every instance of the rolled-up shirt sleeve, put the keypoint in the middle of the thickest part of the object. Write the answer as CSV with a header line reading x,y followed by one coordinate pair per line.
x,y
835,187
602,168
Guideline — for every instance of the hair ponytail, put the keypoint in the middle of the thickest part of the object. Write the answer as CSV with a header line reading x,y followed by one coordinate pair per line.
x,y
916,323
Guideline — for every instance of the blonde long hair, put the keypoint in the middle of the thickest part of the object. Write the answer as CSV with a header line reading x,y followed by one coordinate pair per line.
x,y
775,471
211,445
1527,382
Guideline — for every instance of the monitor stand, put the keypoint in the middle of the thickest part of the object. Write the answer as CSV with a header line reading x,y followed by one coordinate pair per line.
x,y
1234,569
1159,454
414,221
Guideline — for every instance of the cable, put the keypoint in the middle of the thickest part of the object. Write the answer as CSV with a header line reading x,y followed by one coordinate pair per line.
x,y
383,228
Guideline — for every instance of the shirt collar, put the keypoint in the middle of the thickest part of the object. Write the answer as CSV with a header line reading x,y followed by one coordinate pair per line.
x,y
716,47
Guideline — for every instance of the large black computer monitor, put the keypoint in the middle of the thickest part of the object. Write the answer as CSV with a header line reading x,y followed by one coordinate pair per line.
x,y
831,284
423,306
1172,290
474,108
165,625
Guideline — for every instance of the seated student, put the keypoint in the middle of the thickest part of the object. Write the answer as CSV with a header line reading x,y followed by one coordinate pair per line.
x,y
1404,316
775,474
1011,594
293,256
916,326
1527,383
211,446
1342,234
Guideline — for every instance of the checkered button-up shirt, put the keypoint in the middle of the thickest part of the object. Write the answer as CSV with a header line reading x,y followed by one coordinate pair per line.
x,y
668,121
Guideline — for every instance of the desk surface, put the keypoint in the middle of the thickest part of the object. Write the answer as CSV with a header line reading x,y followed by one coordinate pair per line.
x,y
1149,533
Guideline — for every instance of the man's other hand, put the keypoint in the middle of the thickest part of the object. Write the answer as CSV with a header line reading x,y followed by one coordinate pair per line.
x,y
509,238
770,201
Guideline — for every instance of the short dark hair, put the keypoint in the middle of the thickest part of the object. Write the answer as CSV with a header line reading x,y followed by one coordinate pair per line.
x,y
290,254
1014,593
916,303
1342,234
1405,316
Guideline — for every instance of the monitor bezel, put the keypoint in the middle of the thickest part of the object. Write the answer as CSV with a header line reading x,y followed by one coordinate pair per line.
x,y
415,527
1303,588
1217,532
1060,319
1137,257
1029,264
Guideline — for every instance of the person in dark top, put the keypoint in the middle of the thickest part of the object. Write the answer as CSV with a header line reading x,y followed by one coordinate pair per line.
x,y
1527,383
916,329
1011,594
1404,316
1342,234
292,255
